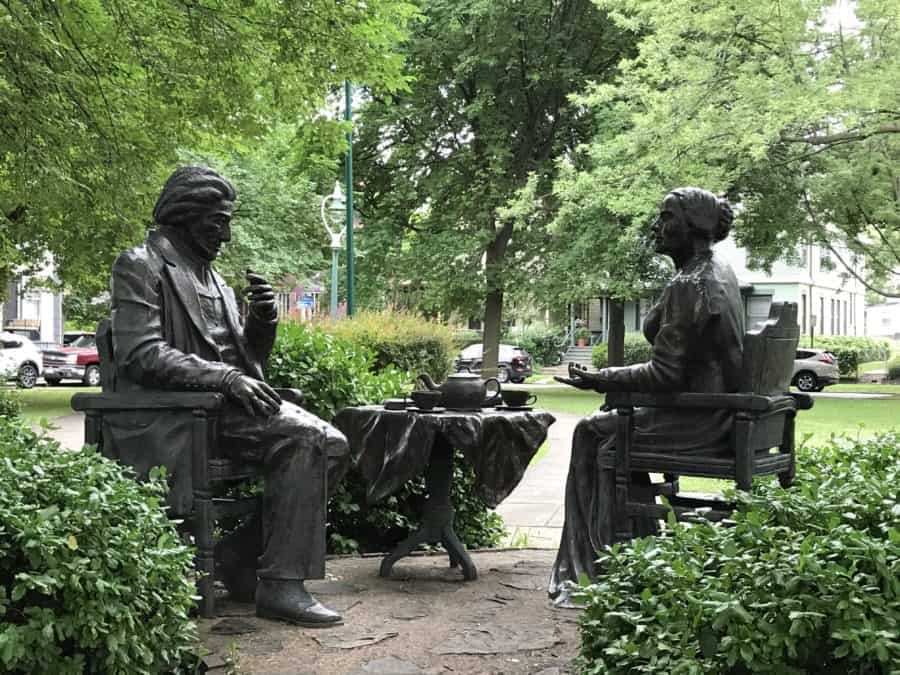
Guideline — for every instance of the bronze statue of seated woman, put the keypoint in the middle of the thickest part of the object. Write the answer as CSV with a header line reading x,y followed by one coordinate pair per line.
x,y
696,330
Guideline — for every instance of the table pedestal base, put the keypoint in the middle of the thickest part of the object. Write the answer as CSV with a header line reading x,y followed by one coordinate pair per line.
x,y
437,517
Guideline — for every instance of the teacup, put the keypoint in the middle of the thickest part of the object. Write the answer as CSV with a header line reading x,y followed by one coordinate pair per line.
x,y
517,398
426,400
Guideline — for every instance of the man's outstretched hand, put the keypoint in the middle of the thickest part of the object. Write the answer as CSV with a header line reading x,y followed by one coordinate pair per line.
x,y
579,377
256,397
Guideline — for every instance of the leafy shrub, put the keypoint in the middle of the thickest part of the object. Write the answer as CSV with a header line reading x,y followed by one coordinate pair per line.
x,y
893,370
463,337
851,350
334,373
409,342
806,581
10,405
93,576
371,528
541,341
637,350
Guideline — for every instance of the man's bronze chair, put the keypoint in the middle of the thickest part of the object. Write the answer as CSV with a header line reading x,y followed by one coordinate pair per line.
x,y
761,441
199,476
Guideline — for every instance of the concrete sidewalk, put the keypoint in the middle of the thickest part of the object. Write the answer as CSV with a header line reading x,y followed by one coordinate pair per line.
x,y
533,513
68,430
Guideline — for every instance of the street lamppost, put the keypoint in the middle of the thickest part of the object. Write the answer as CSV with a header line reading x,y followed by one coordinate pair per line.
x,y
333,207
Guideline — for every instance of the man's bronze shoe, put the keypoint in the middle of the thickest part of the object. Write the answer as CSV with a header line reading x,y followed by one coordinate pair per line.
x,y
287,600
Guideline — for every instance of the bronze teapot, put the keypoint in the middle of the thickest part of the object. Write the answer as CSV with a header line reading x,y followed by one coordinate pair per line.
x,y
463,390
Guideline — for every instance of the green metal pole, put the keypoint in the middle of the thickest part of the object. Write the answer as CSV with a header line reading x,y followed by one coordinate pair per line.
x,y
348,177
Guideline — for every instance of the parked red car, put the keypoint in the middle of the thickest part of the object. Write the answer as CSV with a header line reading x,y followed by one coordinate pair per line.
x,y
78,360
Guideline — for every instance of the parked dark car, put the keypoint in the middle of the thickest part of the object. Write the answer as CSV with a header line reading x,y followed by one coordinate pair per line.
x,y
513,363
78,360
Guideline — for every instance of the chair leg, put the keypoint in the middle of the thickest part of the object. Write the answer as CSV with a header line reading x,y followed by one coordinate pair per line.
x,y
622,522
786,478
204,540
203,428
743,427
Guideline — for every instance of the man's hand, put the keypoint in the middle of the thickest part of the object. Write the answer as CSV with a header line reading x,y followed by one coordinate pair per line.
x,y
580,378
262,297
256,397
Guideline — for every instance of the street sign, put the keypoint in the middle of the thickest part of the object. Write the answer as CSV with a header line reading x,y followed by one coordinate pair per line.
x,y
306,300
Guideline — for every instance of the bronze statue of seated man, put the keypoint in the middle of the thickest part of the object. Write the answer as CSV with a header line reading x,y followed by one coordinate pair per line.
x,y
176,326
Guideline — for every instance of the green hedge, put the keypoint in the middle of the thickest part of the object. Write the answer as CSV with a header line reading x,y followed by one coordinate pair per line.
x,y
463,337
406,341
637,350
358,527
93,575
333,373
10,404
893,369
851,350
542,342
807,580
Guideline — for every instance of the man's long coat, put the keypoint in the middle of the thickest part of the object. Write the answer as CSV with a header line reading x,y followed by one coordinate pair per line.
x,y
160,340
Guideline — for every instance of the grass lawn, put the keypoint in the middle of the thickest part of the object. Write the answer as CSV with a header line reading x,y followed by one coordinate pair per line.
x,y
869,366
48,402
828,416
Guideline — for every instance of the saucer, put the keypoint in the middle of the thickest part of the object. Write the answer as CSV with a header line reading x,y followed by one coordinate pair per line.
x,y
516,408
436,409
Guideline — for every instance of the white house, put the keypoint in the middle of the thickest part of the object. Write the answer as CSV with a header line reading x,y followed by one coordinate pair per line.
x,y
883,319
33,310
829,300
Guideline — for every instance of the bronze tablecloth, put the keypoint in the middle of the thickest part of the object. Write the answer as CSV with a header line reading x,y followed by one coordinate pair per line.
x,y
389,447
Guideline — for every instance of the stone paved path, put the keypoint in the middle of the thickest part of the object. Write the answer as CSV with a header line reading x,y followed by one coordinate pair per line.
x,y
425,620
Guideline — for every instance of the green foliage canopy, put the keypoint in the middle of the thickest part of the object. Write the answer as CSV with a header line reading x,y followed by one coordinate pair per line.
x,y
791,108
457,171
96,97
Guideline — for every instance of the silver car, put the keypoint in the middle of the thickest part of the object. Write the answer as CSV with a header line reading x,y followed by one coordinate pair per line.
x,y
814,369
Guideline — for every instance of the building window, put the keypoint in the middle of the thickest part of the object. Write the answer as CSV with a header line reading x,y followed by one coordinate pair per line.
x,y
803,313
845,318
826,264
831,322
821,315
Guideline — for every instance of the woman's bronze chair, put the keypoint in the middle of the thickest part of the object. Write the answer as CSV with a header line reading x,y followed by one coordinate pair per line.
x,y
761,441
198,475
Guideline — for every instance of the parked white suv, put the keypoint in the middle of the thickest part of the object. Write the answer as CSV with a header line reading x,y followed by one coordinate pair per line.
x,y
20,360
814,369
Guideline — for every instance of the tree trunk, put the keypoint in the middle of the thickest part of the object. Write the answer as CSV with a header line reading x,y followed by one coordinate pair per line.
x,y
615,347
493,313
494,258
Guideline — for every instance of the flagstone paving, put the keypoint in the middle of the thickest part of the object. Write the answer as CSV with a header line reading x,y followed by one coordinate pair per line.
x,y
424,620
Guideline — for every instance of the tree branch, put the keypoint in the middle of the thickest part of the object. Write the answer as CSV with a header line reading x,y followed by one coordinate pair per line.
x,y
824,240
844,137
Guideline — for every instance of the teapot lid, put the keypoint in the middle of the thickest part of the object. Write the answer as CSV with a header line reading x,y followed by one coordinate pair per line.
x,y
464,375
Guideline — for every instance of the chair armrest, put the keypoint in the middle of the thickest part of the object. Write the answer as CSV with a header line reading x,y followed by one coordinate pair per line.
x,y
803,401
156,400
693,400
294,396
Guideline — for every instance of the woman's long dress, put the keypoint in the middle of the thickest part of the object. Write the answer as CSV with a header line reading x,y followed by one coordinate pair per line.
x,y
696,331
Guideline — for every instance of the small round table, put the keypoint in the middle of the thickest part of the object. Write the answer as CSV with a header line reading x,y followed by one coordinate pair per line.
x,y
390,447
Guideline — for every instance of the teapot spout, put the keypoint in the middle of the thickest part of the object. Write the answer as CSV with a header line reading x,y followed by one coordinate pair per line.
x,y
425,379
